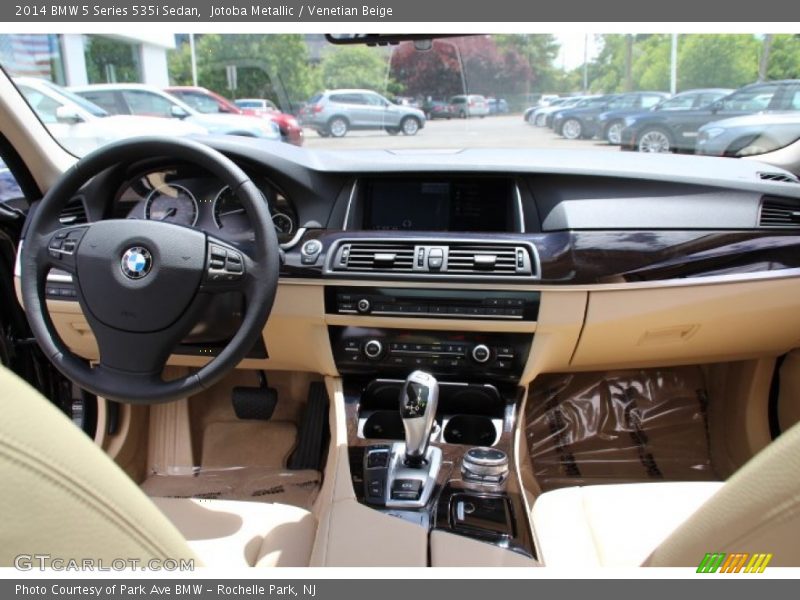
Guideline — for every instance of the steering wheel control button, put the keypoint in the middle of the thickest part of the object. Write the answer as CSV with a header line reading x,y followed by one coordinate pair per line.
x,y
225,265
309,252
136,262
481,354
63,243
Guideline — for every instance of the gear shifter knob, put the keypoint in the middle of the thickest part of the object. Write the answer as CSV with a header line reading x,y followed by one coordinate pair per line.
x,y
418,399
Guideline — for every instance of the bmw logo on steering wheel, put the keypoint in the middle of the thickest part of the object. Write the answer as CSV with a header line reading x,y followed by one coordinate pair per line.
x,y
136,262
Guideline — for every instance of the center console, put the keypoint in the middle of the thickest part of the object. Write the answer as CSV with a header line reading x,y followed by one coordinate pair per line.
x,y
430,417
431,412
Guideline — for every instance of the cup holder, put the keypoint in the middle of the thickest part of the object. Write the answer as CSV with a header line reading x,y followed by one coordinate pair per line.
x,y
471,430
385,425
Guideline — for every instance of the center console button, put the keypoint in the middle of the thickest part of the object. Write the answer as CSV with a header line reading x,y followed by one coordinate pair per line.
x,y
373,349
481,353
363,305
406,489
375,488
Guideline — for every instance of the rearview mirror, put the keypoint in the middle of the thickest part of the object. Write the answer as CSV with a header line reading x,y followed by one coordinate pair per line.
x,y
177,112
716,106
68,114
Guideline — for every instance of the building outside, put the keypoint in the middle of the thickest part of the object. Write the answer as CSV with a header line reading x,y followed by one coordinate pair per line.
x,y
75,59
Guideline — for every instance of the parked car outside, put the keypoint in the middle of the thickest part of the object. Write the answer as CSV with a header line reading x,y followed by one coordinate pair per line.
x,y
9,188
469,105
497,106
257,105
583,102
581,122
140,99
749,135
81,126
437,109
208,102
335,112
613,122
537,115
676,131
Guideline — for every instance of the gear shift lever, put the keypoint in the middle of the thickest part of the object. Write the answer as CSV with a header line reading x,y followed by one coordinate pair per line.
x,y
418,399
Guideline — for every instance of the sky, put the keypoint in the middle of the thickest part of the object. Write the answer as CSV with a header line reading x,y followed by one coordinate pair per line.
x,y
571,53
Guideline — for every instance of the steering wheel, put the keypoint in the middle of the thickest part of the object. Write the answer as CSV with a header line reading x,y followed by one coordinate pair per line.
x,y
143,285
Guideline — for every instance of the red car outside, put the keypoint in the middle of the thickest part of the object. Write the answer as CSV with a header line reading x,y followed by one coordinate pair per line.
x,y
206,101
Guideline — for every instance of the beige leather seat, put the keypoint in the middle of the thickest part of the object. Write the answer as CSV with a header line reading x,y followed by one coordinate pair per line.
x,y
64,497
675,524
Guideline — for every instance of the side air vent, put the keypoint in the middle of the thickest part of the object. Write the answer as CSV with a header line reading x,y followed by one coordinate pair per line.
x,y
779,212
74,213
435,258
772,176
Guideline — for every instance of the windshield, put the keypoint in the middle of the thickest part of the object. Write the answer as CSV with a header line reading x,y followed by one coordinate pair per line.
x,y
451,93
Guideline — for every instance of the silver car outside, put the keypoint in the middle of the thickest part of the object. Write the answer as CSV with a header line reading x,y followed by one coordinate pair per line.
x,y
335,112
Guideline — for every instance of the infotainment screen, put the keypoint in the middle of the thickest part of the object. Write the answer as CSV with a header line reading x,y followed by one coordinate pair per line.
x,y
452,204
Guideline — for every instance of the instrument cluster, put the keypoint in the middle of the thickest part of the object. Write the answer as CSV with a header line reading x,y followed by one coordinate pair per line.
x,y
199,200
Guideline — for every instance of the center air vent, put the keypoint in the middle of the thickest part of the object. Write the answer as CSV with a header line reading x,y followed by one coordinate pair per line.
x,y
475,259
779,212
435,258
377,257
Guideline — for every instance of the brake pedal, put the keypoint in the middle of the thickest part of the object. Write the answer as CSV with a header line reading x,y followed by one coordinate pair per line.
x,y
255,403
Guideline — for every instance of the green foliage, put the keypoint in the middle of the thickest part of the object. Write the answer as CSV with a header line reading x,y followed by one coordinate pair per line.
x,y
714,60
651,63
784,57
357,67
540,52
105,56
268,66
704,60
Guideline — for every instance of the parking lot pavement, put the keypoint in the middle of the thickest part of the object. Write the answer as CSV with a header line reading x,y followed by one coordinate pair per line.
x,y
507,131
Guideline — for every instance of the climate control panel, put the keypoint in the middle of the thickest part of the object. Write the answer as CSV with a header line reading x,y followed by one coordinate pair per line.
x,y
465,356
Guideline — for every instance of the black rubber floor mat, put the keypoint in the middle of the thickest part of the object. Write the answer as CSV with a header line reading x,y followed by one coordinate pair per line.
x,y
622,426
313,435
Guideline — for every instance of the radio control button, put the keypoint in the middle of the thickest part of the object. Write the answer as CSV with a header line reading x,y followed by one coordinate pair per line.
x,y
363,305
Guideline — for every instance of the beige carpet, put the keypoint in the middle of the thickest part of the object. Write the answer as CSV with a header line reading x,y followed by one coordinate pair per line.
x,y
242,460
254,484
248,444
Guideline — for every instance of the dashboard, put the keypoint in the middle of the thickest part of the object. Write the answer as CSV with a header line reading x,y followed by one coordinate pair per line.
x,y
445,253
